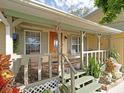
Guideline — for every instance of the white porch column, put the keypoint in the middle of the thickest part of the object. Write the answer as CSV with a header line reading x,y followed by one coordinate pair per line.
x,y
8,30
8,36
82,34
99,46
9,42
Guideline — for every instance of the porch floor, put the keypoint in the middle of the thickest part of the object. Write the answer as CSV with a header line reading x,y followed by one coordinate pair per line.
x,y
116,89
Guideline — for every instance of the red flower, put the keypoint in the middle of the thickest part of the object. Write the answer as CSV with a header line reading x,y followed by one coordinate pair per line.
x,y
15,90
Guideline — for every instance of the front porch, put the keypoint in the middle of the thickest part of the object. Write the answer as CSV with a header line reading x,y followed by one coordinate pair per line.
x,y
44,49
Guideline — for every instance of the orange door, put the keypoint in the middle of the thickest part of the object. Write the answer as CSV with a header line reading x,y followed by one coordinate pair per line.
x,y
53,36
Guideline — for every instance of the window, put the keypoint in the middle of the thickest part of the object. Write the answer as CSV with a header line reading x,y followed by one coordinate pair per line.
x,y
75,44
32,42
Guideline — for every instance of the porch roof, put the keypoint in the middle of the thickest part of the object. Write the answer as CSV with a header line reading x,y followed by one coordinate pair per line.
x,y
33,11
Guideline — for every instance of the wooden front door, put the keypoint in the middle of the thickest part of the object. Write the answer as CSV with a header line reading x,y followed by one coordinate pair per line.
x,y
53,36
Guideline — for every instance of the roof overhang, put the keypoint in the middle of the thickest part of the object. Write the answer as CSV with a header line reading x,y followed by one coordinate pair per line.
x,y
32,11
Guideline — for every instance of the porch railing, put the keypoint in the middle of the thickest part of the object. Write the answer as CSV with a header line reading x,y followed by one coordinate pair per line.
x,y
99,55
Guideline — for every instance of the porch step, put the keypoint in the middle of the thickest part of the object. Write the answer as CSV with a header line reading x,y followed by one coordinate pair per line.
x,y
90,88
79,74
80,82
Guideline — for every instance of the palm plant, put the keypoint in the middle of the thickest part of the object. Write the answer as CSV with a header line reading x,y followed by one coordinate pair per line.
x,y
114,54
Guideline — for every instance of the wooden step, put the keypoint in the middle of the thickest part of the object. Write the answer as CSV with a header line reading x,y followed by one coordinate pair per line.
x,y
90,88
80,82
78,75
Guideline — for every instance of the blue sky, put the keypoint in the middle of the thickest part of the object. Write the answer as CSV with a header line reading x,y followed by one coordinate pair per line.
x,y
66,4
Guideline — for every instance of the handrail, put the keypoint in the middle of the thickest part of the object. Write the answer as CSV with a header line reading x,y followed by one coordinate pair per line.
x,y
70,65
85,52
72,73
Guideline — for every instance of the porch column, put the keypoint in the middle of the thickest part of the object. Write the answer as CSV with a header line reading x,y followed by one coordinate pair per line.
x,y
99,46
8,30
82,34
59,48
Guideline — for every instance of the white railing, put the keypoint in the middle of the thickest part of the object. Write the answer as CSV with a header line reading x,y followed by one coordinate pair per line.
x,y
25,59
99,55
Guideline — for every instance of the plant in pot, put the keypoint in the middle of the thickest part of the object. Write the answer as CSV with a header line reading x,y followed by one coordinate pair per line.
x,y
94,68
6,76
113,54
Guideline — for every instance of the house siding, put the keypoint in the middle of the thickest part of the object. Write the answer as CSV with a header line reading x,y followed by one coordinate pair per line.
x,y
44,42
117,42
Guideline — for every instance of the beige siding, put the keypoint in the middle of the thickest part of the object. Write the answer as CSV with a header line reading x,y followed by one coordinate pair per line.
x,y
44,42
105,42
2,38
20,33
91,42
117,42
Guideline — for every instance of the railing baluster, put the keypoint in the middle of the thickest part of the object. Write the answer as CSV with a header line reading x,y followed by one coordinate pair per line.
x,y
39,68
95,56
50,66
102,57
87,59
99,56
72,82
91,54
105,55
62,67
26,61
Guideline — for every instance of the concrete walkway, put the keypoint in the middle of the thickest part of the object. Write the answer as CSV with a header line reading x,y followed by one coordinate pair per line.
x,y
117,89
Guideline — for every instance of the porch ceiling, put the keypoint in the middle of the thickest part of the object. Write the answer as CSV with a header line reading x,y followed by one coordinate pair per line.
x,y
27,10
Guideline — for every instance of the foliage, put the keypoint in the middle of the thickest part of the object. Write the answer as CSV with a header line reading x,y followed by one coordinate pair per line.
x,y
6,76
94,68
114,54
64,89
79,11
110,8
47,91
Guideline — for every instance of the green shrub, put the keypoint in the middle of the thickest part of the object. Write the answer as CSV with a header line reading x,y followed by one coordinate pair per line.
x,y
94,68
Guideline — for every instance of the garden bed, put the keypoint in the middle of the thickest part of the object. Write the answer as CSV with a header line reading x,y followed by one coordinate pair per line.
x,y
106,87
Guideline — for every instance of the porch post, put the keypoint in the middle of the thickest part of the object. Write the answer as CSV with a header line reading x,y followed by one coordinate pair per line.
x,y
99,46
8,30
82,34
59,48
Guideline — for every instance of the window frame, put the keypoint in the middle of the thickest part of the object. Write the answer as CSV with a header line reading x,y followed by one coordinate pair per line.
x,y
34,31
77,36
